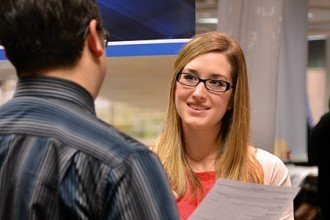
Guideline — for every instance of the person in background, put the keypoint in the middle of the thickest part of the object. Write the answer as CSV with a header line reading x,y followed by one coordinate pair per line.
x,y
311,152
205,132
57,159
320,141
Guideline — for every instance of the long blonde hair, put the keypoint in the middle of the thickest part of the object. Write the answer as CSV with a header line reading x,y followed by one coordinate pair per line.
x,y
235,161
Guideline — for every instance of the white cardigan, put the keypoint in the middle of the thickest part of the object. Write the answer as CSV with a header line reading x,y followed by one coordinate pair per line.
x,y
275,174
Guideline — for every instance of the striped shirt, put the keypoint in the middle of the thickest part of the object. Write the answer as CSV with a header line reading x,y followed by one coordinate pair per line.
x,y
59,161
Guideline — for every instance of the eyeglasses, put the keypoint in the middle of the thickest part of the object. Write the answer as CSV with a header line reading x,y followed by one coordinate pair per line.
x,y
105,35
215,85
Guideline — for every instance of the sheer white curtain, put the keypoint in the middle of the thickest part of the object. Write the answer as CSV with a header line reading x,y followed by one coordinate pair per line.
x,y
274,39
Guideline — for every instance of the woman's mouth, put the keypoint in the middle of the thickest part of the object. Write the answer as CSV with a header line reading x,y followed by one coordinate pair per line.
x,y
197,107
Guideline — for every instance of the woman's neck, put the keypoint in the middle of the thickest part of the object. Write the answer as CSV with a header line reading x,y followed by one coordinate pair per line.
x,y
202,148
206,165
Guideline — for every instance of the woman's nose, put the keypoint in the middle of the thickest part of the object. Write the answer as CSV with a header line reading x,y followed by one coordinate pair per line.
x,y
200,91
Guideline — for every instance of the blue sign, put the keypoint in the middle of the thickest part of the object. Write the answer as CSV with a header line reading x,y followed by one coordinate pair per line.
x,y
145,27
148,19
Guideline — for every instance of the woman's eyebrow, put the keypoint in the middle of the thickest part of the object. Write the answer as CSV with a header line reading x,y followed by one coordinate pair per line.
x,y
210,76
190,71
217,75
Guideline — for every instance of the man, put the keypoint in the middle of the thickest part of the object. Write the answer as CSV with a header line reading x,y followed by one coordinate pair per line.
x,y
320,141
57,159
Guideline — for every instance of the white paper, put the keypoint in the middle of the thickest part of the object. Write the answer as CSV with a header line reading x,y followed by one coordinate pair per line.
x,y
234,200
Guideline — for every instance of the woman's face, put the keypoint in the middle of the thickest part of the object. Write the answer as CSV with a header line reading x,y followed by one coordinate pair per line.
x,y
198,107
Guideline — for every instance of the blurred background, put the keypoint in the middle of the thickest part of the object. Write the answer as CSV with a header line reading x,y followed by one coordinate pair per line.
x,y
286,43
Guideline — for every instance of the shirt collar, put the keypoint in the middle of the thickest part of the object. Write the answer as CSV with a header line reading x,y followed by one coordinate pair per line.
x,y
56,88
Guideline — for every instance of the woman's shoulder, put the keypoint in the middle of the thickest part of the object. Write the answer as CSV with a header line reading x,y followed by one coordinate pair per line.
x,y
275,171
264,157
267,158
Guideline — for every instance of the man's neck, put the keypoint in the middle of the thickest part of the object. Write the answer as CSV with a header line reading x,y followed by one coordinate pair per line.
x,y
75,76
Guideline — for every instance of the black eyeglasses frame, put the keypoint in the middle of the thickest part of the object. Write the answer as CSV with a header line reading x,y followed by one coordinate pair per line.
x,y
228,84
105,34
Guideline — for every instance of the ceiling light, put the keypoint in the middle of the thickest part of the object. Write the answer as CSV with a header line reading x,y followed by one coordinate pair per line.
x,y
310,15
207,20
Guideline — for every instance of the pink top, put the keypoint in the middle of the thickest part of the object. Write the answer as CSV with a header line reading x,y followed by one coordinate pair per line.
x,y
275,173
185,206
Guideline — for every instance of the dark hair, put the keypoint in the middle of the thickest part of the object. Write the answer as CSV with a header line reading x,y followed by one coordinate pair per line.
x,y
40,35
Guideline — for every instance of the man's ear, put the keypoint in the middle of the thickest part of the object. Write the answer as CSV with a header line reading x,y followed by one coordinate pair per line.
x,y
93,39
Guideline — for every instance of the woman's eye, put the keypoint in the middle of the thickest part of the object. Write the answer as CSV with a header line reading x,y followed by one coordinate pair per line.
x,y
190,77
216,82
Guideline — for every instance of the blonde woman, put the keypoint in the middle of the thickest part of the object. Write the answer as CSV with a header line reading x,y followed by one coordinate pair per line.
x,y
206,127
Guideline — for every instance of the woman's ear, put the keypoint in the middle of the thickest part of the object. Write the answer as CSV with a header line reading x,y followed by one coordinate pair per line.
x,y
93,39
231,104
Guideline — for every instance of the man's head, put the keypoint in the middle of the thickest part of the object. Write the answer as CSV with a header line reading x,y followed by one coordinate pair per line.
x,y
43,35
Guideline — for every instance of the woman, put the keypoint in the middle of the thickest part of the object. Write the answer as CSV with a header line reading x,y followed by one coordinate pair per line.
x,y
206,127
